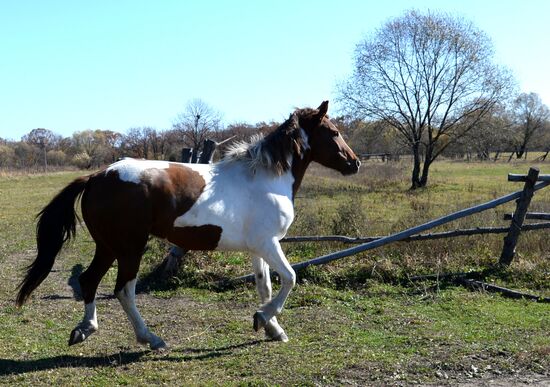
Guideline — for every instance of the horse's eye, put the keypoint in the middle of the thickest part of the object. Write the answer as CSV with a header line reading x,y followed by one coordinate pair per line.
x,y
335,134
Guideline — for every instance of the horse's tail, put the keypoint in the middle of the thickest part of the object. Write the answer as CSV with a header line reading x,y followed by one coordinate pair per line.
x,y
56,225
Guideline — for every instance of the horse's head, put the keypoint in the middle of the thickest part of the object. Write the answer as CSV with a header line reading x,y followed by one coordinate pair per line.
x,y
327,146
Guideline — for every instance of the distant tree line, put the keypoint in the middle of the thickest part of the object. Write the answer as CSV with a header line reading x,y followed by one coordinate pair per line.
x,y
91,149
521,126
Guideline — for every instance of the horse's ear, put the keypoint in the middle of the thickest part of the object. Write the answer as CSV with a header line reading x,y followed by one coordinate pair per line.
x,y
294,134
293,122
323,109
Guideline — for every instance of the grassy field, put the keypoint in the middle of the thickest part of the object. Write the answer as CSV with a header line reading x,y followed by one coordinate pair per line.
x,y
356,321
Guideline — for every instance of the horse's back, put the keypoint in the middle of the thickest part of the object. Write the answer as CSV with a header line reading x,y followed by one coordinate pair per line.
x,y
140,196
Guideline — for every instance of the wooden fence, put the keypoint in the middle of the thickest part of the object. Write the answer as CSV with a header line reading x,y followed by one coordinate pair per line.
x,y
533,181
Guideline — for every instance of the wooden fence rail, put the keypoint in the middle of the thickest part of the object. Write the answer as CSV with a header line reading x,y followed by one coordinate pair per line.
x,y
530,215
516,177
419,237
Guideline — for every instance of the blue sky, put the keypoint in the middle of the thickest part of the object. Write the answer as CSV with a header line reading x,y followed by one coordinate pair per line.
x,y
74,65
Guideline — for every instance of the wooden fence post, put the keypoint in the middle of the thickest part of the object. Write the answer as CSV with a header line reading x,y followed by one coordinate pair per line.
x,y
510,241
186,154
195,156
208,149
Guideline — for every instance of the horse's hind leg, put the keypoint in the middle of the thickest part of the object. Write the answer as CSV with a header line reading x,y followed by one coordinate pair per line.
x,y
125,291
263,285
89,280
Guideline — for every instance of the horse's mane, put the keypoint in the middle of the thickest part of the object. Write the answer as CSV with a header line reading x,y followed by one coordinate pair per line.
x,y
275,150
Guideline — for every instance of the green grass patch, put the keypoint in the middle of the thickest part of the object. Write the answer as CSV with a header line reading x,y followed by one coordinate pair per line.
x,y
356,321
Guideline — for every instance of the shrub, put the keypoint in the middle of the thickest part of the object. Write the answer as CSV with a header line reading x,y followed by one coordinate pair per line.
x,y
350,218
82,160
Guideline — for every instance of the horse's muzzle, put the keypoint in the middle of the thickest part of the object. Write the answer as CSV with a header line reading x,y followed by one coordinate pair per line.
x,y
352,167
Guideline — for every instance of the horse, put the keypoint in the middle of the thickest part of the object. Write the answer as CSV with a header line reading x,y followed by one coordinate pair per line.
x,y
244,202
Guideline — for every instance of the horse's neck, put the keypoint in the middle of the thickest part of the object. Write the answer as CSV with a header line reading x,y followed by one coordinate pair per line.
x,y
299,167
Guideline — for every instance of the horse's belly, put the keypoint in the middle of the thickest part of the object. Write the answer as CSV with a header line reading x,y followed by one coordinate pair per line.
x,y
205,237
232,241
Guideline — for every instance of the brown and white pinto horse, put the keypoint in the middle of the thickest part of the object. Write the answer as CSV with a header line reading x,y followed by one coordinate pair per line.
x,y
244,202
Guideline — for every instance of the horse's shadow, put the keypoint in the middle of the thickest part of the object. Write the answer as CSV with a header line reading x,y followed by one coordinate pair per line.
x,y
17,367
74,284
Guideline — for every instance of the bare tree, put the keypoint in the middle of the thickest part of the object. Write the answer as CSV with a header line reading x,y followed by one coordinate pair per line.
x,y
172,144
197,122
492,133
137,142
368,137
429,76
542,141
157,144
98,147
43,139
530,116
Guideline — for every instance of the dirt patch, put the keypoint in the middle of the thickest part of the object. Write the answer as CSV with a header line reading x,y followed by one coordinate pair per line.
x,y
506,381
374,374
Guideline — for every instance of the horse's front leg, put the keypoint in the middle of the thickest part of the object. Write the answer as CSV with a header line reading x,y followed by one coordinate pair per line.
x,y
263,285
273,254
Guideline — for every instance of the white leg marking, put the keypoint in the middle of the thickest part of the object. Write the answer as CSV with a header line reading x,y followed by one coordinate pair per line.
x,y
274,256
90,316
263,285
86,327
127,298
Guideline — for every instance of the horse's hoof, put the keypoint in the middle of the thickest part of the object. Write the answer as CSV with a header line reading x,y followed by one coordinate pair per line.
x,y
78,335
282,338
275,333
158,345
259,321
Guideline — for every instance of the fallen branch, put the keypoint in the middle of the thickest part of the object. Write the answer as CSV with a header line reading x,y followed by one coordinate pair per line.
x,y
444,276
465,279
473,284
